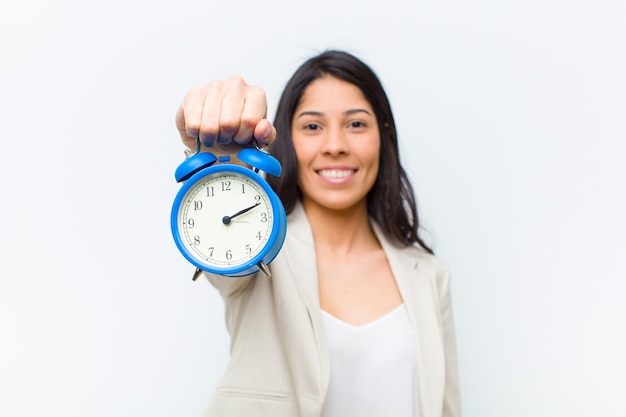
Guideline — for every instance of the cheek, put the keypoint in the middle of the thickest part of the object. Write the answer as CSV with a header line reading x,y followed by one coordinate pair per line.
x,y
375,170
304,152
302,159
373,156
374,165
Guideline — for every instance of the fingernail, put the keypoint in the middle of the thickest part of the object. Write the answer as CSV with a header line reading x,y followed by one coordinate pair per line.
x,y
208,141
267,131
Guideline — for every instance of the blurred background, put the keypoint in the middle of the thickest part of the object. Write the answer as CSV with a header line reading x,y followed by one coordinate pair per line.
x,y
512,125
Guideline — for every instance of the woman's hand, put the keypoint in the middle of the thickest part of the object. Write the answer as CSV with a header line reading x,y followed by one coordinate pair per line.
x,y
224,112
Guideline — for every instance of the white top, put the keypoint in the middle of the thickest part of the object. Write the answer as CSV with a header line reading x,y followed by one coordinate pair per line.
x,y
373,367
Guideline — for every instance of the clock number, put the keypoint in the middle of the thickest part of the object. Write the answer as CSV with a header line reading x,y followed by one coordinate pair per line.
x,y
210,192
243,188
225,185
257,198
197,205
263,217
191,223
258,235
196,240
229,255
248,249
211,249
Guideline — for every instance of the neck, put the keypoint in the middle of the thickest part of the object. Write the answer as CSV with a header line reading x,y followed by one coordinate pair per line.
x,y
342,231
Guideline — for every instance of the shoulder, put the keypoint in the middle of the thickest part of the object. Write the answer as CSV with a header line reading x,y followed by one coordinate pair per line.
x,y
425,260
415,258
420,255
412,253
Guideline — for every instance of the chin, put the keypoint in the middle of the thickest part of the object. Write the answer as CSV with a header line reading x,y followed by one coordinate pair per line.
x,y
338,204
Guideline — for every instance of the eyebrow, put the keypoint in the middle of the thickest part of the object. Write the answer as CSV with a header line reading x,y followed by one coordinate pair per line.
x,y
319,113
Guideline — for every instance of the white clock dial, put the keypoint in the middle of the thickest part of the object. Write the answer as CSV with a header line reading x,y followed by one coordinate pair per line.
x,y
225,219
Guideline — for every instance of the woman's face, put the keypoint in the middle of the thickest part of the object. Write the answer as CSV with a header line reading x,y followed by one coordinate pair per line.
x,y
337,143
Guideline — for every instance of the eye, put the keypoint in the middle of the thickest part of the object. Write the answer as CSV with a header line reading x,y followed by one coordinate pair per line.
x,y
311,126
357,124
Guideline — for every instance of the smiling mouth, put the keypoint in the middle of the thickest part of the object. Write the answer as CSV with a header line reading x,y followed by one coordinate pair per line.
x,y
336,173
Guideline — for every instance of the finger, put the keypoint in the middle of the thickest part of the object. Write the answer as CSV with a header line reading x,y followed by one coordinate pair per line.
x,y
189,114
231,113
254,110
188,140
265,132
209,130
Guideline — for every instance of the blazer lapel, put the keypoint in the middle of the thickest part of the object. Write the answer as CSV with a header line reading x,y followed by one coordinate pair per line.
x,y
415,280
301,254
296,287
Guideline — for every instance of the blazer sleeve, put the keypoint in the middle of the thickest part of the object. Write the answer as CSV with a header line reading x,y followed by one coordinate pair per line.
x,y
229,287
452,395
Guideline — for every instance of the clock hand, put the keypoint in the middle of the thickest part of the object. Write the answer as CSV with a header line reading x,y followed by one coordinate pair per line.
x,y
227,219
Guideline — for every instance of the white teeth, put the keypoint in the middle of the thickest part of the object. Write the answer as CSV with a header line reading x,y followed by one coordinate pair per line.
x,y
336,173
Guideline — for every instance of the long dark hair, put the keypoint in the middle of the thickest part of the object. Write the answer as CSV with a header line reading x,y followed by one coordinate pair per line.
x,y
390,202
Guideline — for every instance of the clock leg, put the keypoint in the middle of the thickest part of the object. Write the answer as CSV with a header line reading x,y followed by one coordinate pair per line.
x,y
196,274
265,269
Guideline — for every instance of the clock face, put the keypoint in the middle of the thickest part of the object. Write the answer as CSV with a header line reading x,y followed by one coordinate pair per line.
x,y
225,219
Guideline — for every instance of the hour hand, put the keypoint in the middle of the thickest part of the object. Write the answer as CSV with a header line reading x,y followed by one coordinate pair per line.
x,y
227,219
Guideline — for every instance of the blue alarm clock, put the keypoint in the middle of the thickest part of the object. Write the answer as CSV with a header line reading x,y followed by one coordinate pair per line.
x,y
226,219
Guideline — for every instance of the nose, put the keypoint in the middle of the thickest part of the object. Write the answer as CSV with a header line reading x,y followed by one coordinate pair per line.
x,y
335,142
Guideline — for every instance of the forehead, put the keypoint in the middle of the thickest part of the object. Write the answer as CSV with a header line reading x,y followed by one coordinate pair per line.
x,y
330,93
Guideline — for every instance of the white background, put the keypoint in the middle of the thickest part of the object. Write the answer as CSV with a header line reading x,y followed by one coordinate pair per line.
x,y
512,124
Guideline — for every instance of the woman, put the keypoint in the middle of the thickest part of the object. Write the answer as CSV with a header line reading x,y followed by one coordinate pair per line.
x,y
356,319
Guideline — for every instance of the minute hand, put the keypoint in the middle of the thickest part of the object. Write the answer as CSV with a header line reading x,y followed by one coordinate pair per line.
x,y
227,219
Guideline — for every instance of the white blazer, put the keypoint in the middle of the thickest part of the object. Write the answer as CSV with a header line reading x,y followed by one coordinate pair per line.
x,y
279,365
